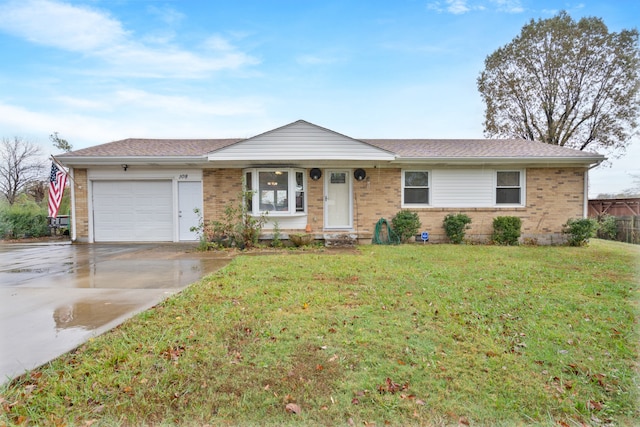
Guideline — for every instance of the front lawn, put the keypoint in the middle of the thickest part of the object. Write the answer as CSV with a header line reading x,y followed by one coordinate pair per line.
x,y
406,335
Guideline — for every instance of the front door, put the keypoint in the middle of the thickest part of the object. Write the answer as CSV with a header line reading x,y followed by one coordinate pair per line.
x,y
189,198
337,200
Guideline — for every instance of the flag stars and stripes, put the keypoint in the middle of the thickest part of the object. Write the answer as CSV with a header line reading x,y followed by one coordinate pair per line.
x,y
57,182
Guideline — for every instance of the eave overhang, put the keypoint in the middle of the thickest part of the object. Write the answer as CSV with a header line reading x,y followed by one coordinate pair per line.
x,y
132,160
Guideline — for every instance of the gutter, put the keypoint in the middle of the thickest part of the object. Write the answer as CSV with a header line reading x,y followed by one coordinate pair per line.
x,y
132,160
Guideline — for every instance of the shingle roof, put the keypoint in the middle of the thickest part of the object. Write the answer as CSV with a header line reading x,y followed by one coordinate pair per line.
x,y
474,148
403,148
137,147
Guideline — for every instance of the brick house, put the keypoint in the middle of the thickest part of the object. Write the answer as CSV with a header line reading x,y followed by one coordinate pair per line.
x,y
141,190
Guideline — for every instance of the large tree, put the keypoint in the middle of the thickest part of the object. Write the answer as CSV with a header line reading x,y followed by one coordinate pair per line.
x,y
566,83
21,164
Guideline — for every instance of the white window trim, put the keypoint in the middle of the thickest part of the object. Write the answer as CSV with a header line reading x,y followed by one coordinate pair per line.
x,y
255,185
523,189
416,205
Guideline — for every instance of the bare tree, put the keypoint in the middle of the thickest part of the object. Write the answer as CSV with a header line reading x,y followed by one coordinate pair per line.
x,y
566,83
21,164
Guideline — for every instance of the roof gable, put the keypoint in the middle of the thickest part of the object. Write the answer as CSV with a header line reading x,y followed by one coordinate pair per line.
x,y
300,140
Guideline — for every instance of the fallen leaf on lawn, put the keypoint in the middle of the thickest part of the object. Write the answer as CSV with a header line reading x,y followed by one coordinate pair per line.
x,y
319,367
420,402
463,421
333,358
350,422
594,406
292,408
563,424
392,387
305,306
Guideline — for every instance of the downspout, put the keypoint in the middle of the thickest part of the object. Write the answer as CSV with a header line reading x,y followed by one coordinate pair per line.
x,y
585,207
74,226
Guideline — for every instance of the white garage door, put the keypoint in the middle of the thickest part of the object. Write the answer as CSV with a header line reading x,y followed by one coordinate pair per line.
x,y
132,211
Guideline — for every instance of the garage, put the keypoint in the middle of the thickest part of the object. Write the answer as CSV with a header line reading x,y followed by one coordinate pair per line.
x,y
132,211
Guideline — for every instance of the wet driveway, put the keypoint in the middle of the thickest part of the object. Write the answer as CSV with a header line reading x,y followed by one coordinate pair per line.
x,y
54,297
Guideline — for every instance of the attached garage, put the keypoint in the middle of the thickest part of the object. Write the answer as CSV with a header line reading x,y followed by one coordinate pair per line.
x,y
132,211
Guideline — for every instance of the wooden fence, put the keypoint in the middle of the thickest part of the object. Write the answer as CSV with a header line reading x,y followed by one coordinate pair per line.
x,y
614,207
628,229
626,212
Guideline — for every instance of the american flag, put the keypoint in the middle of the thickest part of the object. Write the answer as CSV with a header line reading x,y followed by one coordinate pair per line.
x,y
57,182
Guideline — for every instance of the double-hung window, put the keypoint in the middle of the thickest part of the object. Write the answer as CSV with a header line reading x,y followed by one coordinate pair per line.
x,y
508,187
276,191
415,188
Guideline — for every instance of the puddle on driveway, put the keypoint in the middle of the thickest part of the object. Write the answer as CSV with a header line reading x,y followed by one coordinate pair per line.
x,y
89,314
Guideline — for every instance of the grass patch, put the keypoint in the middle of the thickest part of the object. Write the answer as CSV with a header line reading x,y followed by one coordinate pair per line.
x,y
406,335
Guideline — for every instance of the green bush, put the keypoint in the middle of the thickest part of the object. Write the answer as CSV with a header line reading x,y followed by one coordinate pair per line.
x,y
237,228
506,230
23,220
455,226
580,230
607,227
406,224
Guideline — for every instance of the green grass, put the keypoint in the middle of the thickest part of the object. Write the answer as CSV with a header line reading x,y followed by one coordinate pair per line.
x,y
408,335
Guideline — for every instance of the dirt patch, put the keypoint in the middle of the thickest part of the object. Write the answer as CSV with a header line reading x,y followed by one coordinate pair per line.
x,y
46,239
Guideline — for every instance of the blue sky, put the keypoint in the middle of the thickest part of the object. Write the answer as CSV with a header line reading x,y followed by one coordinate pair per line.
x,y
100,70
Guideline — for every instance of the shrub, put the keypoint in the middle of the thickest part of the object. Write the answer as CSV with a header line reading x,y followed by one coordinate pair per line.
x,y
237,228
406,224
23,220
580,230
455,226
506,230
607,227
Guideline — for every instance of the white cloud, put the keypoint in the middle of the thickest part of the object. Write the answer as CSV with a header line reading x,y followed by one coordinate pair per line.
x,y
185,106
166,14
509,6
457,7
315,59
96,34
60,25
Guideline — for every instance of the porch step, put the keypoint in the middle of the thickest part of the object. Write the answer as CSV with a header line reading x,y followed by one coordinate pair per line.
x,y
340,240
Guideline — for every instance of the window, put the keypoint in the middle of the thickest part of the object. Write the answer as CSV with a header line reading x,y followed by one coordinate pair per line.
x,y
248,186
277,191
415,187
508,187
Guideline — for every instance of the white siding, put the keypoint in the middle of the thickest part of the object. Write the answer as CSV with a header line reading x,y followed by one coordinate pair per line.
x,y
300,141
462,188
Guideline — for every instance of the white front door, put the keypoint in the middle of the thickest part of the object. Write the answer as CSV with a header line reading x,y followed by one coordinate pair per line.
x,y
337,200
189,198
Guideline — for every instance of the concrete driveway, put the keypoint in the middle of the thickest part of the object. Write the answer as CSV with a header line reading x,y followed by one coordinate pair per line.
x,y
54,297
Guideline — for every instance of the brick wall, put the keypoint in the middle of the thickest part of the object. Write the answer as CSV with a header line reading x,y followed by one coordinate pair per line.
x,y
553,196
220,187
81,220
